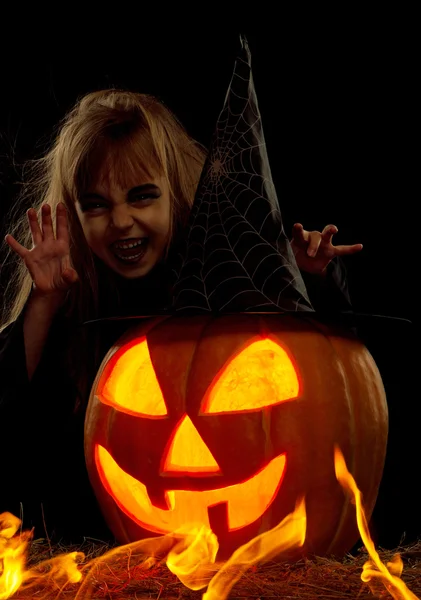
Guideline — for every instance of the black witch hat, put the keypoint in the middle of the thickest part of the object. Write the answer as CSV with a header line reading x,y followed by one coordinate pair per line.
x,y
236,256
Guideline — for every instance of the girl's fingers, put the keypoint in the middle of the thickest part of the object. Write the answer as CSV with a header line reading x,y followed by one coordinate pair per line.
x,y
62,227
328,233
299,234
314,243
70,275
34,226
15,246
343,250
47,223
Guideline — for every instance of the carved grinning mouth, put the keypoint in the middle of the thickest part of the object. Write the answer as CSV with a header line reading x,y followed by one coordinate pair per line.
x,y
246,501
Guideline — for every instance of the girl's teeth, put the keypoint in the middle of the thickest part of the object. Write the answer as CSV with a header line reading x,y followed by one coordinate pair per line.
x,y
132,257
127,246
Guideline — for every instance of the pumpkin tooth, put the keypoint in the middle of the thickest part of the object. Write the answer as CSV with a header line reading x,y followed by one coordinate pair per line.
x,y
218,515
158,498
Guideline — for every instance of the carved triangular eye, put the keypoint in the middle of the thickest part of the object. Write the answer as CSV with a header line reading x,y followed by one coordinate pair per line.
x,y
131,385
262,374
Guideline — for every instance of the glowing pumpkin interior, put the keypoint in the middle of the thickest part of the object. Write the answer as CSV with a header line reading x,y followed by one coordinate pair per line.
x,y
259,376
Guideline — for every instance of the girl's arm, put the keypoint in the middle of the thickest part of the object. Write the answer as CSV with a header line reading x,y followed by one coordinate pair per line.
x,y
38,318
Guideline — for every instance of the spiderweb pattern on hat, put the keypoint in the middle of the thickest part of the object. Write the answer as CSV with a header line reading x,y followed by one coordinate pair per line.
x,y
236,256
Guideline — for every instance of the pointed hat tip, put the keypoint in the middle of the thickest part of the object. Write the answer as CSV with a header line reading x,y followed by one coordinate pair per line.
x,y
243,41
244,51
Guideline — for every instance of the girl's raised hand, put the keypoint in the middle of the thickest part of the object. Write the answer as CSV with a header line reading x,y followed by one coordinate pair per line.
x,y
48,261
314,249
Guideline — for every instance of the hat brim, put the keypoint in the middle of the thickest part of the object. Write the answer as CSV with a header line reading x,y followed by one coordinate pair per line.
x,y
351,319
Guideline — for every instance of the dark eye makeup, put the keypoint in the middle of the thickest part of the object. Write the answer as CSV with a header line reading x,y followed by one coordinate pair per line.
x,y
142,195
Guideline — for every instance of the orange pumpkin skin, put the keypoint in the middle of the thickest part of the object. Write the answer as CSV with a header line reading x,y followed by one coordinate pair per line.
x,y
338,398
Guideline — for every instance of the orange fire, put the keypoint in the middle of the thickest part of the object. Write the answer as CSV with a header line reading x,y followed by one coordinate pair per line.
x,y
13,554
189,553
388,574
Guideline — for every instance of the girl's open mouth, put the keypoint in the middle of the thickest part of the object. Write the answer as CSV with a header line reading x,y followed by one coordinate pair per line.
x,y
130,251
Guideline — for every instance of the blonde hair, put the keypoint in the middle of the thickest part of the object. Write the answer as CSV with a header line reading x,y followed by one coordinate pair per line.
x,y
125,131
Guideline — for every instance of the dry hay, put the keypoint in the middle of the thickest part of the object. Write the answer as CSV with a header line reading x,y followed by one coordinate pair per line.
x,y
123,578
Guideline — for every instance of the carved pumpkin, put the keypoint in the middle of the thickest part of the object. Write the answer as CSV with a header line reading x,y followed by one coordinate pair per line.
x,y
227,421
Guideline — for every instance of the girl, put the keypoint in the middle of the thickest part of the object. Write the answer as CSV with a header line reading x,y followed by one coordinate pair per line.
x,y
120,178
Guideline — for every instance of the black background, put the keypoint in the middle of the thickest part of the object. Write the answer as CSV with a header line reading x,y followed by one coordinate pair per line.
x,y
336,91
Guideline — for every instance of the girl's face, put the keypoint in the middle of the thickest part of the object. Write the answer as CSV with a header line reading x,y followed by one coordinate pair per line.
x,y
127,228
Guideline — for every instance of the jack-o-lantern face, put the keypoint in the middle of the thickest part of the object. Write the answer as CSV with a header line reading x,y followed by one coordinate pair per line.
x,y
259,376
223,422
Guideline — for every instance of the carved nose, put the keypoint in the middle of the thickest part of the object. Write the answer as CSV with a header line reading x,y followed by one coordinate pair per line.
x,y
188,452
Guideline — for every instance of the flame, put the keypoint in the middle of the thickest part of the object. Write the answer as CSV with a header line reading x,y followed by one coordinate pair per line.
x,y
13,554
289,534
189,553
374,568
192,559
